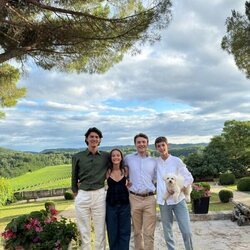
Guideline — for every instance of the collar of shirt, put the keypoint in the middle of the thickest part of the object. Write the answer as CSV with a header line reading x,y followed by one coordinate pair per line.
x,y
90,153
147,155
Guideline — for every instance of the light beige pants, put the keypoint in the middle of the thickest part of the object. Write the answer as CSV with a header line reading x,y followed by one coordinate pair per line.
x,y
143,213
91,205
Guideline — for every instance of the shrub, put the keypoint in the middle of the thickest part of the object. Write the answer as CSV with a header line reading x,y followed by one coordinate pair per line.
x,y
18,196
225,195
227,179
244,184
68,195
39,230
49,205
6,192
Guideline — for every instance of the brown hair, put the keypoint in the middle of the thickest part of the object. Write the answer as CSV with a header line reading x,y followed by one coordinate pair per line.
x,y
121,163
161,139
90,130
140,135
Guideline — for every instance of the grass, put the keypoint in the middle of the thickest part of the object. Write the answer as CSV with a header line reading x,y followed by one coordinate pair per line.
x,y
7,213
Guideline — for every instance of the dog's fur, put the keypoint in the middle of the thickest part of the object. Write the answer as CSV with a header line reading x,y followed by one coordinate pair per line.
x,y
175,183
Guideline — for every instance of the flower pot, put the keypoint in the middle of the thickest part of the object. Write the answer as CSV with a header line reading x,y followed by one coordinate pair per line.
x,y
200,206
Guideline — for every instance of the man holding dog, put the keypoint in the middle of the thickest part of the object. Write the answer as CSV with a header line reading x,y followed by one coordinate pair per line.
x,y
142,176
168,164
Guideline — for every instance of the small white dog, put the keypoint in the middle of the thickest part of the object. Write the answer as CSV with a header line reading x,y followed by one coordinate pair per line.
x,y
174,184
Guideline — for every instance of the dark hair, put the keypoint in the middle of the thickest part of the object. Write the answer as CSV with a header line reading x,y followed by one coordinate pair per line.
x,y
140,135
161,139
90,130
110,160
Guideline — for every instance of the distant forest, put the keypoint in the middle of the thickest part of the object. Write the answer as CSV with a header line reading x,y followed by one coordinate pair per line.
x,y
15,163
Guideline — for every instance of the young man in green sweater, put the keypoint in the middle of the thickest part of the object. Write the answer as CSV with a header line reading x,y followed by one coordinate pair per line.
x,y
88,175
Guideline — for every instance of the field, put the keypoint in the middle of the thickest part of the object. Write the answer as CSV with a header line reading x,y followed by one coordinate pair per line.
x,y
46,178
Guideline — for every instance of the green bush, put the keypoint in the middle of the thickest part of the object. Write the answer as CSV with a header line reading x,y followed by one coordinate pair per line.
x,y
225,195
227,179
18,196
244,184
6,192
49,204
68,195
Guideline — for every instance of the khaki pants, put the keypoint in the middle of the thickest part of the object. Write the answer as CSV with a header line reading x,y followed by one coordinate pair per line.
x,y
91,204
143,213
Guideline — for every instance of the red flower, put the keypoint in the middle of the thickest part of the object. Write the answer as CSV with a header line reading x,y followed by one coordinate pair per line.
x,y
35,224
8,234
53,211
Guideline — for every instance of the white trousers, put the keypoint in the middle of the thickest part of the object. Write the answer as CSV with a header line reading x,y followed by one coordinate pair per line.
x,y
91,205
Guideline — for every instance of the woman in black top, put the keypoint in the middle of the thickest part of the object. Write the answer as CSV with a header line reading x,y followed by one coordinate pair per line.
x,y
117,203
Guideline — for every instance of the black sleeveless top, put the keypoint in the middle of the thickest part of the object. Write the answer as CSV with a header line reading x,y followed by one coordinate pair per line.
x,y
117,192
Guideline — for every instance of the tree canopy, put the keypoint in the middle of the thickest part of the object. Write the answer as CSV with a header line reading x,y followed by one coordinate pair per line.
x,y
88,36
9,93
237,39
73,35
229,151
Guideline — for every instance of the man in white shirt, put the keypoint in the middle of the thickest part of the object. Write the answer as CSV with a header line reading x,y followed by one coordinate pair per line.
x,y
168,164
142,175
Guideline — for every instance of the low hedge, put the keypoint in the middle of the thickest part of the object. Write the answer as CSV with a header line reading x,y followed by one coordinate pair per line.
x,y
225,195
244,184
227,179
68,195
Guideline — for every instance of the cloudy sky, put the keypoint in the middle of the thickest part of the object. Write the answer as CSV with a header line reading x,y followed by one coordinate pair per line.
x,y
184,87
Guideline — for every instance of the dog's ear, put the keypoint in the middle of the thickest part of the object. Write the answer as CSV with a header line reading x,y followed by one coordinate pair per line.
x,y
164,178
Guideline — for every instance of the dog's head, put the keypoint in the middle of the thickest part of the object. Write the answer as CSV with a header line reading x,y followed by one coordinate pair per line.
x,y
170,179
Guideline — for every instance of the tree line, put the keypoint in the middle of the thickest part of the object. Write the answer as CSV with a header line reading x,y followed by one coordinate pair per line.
x,y
228,152
14,163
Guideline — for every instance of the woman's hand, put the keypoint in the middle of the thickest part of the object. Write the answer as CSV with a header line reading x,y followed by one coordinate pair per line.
x,y
128,183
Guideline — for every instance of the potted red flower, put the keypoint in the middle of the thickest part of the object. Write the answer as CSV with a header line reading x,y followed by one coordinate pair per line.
x,y
200,197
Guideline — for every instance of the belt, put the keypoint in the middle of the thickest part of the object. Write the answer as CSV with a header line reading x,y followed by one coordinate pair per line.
x,y
142,195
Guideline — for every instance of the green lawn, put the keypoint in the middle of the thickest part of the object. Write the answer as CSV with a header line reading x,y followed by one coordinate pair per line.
x,y
16,209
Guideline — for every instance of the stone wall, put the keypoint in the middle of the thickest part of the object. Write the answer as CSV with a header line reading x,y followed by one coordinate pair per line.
x,y
28,195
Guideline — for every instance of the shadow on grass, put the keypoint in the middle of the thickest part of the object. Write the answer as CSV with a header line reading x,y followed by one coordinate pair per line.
x,y
12,207
7,219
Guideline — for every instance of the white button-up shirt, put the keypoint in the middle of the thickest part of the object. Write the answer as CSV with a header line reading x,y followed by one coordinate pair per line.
x,y
142,172
172,165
